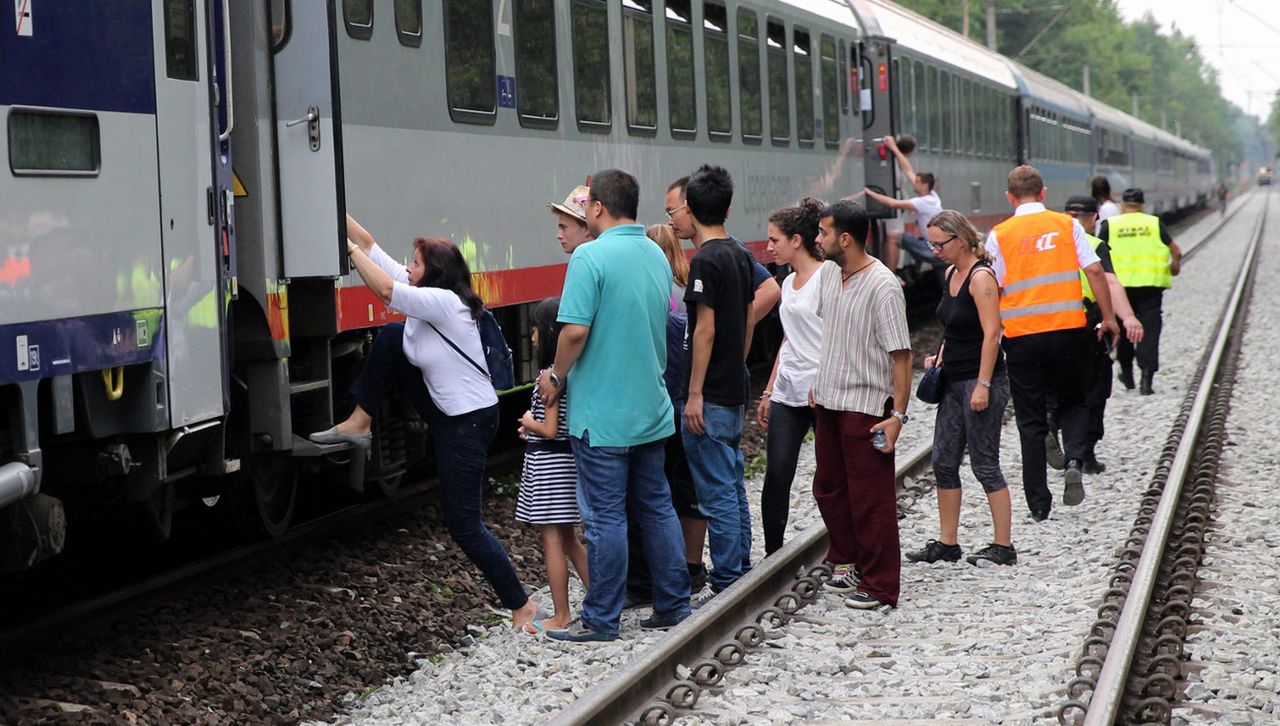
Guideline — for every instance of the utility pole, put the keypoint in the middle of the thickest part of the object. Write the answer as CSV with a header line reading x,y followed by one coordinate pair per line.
x,y
1085,80
964,24
991,25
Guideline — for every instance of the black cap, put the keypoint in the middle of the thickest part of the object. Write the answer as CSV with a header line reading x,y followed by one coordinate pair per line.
x,y
1081,203
1134,196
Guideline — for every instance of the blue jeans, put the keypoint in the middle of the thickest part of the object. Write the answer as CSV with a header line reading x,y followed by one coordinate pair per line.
x,y
612,481
462,448
716,461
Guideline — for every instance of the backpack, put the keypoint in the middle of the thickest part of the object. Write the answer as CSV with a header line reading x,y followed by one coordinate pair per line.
x,y
499,368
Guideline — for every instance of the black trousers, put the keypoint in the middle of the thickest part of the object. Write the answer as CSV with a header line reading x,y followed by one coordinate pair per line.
x,y
1044,365
1148,305
1097,391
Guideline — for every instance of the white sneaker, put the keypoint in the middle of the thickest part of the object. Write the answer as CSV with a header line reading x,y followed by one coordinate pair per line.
x,y
702,597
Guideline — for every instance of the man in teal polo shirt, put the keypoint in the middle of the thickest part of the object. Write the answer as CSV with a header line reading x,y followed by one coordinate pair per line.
x,y
612,351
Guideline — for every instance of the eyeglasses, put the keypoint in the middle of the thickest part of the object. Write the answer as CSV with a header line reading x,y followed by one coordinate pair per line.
x,y
937,246
672,212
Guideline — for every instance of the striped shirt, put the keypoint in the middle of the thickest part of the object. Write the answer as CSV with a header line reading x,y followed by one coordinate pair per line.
x,y
863,322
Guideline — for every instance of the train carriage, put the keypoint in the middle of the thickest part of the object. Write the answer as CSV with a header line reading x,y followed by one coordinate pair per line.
x,y
178,312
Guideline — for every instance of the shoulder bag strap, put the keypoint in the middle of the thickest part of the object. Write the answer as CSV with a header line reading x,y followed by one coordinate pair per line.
x,y
458,350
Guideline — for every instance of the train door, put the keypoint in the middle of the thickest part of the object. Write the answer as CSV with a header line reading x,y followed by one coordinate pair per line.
x,y
194,209
877,120
307,127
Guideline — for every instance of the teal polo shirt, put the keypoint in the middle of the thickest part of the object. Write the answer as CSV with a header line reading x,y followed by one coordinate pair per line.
x,y
619,286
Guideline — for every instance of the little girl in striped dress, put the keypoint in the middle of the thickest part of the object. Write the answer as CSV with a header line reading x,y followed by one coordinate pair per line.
x,y
549,481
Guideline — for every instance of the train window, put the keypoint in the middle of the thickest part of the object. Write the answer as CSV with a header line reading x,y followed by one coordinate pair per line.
x,y
907,121
537,88
46,143
920,105
779,101
935,110
801,49
715,56
830,92
844,86
641,76
749,76
180,60
948,120
895,87
469,61
681,93
970,117
589,27
409,22
357,15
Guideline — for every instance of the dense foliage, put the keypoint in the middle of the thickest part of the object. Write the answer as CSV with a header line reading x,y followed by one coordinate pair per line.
x,y
1176,88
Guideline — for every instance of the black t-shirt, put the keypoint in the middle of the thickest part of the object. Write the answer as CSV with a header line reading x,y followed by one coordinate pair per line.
x,y
720,278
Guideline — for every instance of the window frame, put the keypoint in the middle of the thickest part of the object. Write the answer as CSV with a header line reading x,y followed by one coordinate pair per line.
x,y
470,115
772,56
407,39
670,27
740,39
832,120
530,120
723,35
595,127
95,143
189,6
628,79
807,88
357,30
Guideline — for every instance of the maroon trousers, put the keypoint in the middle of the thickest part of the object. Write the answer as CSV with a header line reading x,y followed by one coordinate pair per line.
x,y
855,489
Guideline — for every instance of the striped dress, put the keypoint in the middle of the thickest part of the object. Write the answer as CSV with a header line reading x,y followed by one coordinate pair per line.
x,y
549,480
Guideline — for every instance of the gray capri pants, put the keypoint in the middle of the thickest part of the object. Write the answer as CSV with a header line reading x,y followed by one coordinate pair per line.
x,y
958,426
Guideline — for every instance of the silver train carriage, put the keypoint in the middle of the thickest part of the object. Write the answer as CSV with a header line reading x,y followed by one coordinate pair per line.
x,y
176,311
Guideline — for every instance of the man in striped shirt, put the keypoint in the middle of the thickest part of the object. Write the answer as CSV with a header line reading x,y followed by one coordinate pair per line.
x,y
863,385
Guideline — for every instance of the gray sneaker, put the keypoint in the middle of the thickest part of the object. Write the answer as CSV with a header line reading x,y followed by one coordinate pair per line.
x,y
702,597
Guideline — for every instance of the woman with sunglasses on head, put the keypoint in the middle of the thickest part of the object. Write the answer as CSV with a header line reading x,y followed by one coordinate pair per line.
x,y
784,410
976,391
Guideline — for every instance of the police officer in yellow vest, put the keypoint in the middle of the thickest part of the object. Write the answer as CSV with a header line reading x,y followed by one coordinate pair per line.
x,y
1037,256
1146,259
1097,390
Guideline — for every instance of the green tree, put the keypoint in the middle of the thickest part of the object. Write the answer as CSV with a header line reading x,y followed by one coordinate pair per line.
x,y
1273,120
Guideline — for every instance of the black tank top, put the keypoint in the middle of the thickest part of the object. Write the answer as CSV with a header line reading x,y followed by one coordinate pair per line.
x,y
962,330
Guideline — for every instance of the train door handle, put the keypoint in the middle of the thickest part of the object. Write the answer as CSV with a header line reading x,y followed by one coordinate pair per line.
x,y
312,120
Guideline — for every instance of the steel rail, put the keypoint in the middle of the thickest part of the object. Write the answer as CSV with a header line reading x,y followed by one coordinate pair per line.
x,y
1108,693
634,685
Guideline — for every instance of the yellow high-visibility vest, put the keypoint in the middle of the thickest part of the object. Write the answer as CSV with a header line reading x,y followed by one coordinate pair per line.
x,y
1138,255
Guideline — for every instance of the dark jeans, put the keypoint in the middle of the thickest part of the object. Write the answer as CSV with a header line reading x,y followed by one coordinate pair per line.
x,y
787,428
683,498
462,448
857,496
1042,365
1097,392
958,427
614,481
1148,304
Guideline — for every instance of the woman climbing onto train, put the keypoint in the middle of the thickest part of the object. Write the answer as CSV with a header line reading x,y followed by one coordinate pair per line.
x,y
453,397
784,409
976,391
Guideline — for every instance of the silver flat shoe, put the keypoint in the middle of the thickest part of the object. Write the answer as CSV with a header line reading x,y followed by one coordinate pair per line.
x,y
331,436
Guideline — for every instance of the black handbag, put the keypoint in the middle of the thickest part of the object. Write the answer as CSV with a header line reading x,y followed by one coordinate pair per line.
x,y
931,383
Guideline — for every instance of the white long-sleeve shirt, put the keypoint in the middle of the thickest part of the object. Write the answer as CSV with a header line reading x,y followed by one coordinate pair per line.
x,y
456,387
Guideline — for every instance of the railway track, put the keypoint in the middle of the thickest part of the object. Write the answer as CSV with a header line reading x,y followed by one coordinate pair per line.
x,y
1132,661
668,681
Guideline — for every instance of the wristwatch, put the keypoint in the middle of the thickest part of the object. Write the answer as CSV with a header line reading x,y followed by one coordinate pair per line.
x,y
902,417
555,380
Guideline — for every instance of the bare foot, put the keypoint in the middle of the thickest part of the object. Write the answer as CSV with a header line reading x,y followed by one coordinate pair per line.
x,y
524,614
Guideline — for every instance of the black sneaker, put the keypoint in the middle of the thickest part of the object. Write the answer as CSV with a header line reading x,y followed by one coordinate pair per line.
x,y
661,622
1053,451
1073,489
994,553
844,579
635,600
1144,386
863,601
934,551
1091,465
1039,515
1126,377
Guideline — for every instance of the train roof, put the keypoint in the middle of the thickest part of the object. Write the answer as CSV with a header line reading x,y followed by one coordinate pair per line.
x,y
834,10
1050,92
922,35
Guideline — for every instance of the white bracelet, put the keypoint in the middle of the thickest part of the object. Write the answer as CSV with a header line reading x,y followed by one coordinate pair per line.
x,y
984,383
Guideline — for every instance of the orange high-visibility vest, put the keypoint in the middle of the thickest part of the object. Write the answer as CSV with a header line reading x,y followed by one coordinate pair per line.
x,y
1041,289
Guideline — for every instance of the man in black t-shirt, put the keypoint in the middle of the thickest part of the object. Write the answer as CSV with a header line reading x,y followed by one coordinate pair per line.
x,y
718,335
